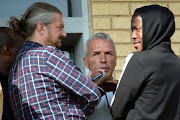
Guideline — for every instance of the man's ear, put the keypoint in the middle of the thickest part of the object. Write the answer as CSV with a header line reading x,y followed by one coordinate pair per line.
x,y
41,28
7,50
86,62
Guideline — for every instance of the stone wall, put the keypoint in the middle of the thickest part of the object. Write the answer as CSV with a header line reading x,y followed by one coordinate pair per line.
x,y
114,18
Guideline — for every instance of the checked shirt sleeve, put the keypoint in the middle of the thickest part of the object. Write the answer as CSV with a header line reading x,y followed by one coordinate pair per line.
x,y
47,85
69,76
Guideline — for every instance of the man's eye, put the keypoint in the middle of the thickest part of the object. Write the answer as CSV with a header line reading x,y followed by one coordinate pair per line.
x,y
94,54
132,29
111,54
60,28
138,29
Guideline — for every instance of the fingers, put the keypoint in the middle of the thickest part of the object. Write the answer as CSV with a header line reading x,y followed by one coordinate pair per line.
x,y
100,80
113,81
104,74
101,71
89,74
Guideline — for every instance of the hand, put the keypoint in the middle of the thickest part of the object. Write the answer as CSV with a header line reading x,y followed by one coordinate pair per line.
x,y
100,80
109,85
89,74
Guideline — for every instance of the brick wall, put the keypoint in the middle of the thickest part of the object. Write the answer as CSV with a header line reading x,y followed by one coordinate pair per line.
x,y
114,18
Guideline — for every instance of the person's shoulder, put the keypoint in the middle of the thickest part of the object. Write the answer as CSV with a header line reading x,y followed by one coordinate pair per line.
x,y
143,54
146,58
48,50
138,57
146,52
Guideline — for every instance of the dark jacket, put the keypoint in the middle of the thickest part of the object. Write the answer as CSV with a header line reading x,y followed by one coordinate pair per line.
x,y
150,85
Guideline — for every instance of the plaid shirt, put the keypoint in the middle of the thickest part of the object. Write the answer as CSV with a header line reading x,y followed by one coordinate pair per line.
x,y
44,84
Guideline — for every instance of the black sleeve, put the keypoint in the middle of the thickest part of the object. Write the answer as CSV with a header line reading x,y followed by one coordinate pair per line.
x,y
127,89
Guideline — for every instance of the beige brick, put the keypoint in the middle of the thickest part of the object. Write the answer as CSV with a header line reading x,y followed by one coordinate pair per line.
x,y
121,23
176,48
110,9
129,0
176,36
175,8
134,6
118,36
117,74
120,63
124,49
99,0
177,20
101,23
163,0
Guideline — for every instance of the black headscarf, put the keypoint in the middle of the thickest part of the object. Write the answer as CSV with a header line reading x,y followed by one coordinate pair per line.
x,y
158,25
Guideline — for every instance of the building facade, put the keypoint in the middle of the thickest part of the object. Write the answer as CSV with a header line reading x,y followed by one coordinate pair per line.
x,y
83,18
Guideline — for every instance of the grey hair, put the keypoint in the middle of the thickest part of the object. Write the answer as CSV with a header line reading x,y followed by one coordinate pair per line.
x,y
37,12
99,35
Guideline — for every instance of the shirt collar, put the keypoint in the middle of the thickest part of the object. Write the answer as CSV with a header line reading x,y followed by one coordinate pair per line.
x,y
32,44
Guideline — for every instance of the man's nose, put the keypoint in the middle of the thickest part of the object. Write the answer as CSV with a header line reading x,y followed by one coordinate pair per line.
x,y
133,36
103,58
63,34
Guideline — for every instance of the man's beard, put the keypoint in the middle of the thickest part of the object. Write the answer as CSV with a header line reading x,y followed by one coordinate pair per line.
x,y
57,44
